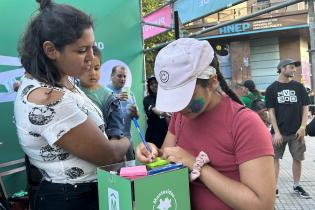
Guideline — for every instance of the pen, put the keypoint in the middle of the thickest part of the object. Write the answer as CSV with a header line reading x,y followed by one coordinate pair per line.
x,y
135,122
165,168
148,148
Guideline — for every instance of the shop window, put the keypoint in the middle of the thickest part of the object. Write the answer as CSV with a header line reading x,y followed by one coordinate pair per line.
x,y
263,4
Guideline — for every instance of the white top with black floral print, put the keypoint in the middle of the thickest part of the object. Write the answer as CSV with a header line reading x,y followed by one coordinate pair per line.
x,y
40,126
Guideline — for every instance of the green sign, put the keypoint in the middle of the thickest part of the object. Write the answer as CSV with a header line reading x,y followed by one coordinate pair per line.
x,y
163,191
117,34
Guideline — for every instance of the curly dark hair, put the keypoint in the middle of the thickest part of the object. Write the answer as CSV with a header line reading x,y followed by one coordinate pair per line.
x,y
59,23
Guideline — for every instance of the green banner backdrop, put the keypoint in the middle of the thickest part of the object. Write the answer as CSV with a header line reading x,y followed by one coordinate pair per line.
x,y
117,34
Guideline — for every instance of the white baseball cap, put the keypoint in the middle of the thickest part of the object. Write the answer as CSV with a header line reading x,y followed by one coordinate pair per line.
x,y
177,67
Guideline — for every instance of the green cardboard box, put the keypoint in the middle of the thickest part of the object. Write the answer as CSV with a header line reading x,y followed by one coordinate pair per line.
x,y
163,191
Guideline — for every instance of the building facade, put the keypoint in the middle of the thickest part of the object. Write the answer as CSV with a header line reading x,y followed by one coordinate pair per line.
x,y
252,49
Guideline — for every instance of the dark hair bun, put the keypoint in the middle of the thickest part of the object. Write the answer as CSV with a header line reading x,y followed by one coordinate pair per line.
x,y
43,3
250,84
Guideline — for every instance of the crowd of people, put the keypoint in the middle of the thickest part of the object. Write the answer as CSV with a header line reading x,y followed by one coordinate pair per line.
x,y
231,141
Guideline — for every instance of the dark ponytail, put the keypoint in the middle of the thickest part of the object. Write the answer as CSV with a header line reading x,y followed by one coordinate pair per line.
x,y
223,83
43,4
250,85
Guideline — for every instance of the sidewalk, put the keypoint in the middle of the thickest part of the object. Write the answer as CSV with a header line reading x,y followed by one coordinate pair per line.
x,y
288,200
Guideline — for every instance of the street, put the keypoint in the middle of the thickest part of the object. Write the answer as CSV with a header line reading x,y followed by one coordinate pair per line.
x,y
288,200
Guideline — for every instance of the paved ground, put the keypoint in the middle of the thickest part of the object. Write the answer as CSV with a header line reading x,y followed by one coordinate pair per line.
x,y
288,200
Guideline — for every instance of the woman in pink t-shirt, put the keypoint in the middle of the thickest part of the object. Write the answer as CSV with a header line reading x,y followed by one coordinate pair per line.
x,y
227,147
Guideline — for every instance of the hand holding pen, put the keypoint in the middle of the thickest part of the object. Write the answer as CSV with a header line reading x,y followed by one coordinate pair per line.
x,y
143,155
148,150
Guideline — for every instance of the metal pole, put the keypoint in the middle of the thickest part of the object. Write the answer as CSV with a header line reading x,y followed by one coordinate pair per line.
x,y
156,25
176,25
156,47
263,11
311,22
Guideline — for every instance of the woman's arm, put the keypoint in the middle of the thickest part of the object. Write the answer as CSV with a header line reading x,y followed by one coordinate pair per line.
x,y
256,189
88,143
169,141
85,140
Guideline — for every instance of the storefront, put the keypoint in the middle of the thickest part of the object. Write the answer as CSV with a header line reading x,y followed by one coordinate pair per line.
x,y
253,48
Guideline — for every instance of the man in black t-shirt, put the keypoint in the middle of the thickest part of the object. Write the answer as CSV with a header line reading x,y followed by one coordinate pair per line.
x,y
287,101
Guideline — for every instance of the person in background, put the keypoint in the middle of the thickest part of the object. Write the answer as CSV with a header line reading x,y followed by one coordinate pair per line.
x,y
287,102
157,121
226,147
59,128
238,89
253,99
127,101
310,128
310,93
251,93
102,97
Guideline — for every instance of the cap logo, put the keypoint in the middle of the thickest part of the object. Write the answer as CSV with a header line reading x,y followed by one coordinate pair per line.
x,y
164,76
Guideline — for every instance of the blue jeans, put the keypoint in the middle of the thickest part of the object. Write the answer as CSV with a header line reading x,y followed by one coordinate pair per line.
x,y
53,196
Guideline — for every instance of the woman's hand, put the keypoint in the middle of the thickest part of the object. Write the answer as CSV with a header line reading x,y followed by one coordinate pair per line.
x,y
179,155
143,155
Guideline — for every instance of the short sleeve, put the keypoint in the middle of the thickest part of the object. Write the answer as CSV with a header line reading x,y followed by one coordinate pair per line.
x,y
269,101
172,124
65,116
251,137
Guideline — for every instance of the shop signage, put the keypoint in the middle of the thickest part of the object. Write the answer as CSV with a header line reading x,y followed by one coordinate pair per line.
x,y
258,25
235,28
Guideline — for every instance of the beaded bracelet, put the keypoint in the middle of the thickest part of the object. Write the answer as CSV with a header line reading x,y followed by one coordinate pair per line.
x,y
201,160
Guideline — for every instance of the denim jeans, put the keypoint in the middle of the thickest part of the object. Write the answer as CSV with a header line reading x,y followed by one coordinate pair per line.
x,y
53,196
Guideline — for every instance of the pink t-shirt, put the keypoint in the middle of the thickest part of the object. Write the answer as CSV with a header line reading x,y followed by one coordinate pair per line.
x,y
229,138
